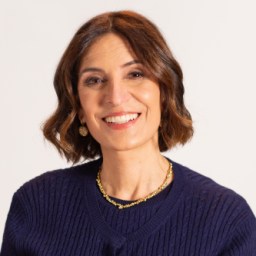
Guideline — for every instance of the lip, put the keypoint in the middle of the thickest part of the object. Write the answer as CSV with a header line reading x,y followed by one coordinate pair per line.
x,y
121,126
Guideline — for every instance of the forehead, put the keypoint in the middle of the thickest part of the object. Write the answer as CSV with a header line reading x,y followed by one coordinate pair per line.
x,y
111,47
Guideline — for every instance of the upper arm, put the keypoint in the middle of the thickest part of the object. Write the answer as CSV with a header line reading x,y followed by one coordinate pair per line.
x,y
14,232
242,240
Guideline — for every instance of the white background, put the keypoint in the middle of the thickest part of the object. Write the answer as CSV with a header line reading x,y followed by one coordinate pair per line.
x,y
215,43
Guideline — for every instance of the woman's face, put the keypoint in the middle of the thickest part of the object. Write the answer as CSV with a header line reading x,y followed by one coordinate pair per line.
x,y
120,103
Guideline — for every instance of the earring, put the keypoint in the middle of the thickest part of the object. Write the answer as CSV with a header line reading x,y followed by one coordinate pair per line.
x,y
83,131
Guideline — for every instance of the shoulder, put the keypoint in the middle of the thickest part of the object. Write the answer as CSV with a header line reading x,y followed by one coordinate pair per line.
x,y
200,183
61,178
216,211
207,194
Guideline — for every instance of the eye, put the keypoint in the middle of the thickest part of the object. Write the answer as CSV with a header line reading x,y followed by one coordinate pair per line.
x,y
136,74
94,80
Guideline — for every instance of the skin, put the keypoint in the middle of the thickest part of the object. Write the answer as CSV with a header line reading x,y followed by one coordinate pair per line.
x,y
113,82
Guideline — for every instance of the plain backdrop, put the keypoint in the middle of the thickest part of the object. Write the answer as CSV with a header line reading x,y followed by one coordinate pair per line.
x,y
215,43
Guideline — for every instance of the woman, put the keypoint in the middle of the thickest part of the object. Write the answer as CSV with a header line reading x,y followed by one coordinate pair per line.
x,y
120,95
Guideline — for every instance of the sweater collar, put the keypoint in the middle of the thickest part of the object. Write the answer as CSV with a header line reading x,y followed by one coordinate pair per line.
x,y
168,207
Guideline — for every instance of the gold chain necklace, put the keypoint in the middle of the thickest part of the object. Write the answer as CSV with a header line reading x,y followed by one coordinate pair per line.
x,y
144,199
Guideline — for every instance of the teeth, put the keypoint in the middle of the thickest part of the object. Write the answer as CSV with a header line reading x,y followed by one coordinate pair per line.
x,y
121,119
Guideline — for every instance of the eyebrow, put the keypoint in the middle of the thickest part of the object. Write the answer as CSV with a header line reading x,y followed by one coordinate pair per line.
x,y
131,63
94,69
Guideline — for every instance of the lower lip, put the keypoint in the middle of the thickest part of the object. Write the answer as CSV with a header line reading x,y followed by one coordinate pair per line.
x,y
116,126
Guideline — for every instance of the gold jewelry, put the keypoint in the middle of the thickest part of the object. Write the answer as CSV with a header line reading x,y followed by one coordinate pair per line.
x,y
83,131
144,199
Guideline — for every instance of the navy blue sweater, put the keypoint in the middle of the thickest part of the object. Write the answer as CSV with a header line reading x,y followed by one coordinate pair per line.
x,y
63,213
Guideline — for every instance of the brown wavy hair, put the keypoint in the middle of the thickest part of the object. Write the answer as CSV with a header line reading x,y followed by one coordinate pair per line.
x,y
151,49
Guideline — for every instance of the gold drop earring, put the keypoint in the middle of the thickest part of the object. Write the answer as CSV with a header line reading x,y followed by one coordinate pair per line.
x,y
83,131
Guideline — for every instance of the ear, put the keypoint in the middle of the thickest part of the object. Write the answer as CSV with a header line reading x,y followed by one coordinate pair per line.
x,y
81,116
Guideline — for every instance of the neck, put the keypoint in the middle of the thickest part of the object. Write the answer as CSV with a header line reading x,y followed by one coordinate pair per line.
x,y
132,175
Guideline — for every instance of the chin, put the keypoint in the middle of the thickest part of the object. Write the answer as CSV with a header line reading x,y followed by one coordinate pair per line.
x,y
129,145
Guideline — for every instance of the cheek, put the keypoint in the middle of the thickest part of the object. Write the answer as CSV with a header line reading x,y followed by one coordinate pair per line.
x,y
151,97
85,106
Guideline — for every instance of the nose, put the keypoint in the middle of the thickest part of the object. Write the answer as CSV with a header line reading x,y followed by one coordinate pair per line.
x,y
116,93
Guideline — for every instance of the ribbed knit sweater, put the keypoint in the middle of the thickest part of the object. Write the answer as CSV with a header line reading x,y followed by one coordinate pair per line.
x,y
63,213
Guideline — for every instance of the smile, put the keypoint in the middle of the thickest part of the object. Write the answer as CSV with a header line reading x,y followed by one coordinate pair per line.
x,y
121,119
